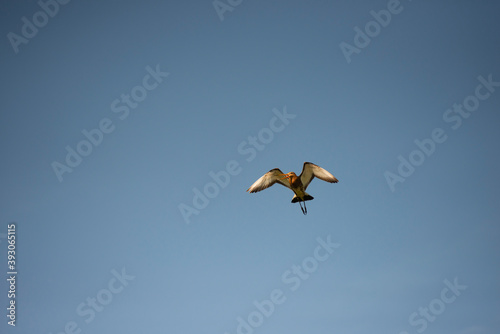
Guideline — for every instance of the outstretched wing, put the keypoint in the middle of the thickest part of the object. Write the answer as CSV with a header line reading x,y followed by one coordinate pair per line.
x,y
267,180
310,170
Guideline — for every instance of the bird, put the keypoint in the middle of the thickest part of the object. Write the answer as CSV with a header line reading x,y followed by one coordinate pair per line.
x,y
298,184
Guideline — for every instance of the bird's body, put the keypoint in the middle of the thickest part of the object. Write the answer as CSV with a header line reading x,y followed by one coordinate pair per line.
x,y
298,184
298,188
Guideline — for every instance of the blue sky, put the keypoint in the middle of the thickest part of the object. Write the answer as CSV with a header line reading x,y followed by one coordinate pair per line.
x,y
169,92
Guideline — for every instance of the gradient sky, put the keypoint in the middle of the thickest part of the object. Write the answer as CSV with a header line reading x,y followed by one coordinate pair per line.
x,y
117,213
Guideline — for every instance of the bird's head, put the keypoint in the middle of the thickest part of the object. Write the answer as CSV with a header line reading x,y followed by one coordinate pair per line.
x,y
288,175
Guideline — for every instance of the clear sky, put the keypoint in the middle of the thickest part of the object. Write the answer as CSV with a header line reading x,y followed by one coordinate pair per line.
x,y
130,131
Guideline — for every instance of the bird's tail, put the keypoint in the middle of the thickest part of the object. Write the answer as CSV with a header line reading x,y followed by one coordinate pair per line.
x,y
304,198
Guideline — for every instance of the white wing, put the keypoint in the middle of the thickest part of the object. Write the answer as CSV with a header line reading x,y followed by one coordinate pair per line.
x,y
310,170
267,180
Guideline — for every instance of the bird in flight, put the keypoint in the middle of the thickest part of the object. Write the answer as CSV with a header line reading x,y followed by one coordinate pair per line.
x,y
298,184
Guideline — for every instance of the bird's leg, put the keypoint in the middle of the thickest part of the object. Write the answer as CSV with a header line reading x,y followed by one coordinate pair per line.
x,y
301,208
